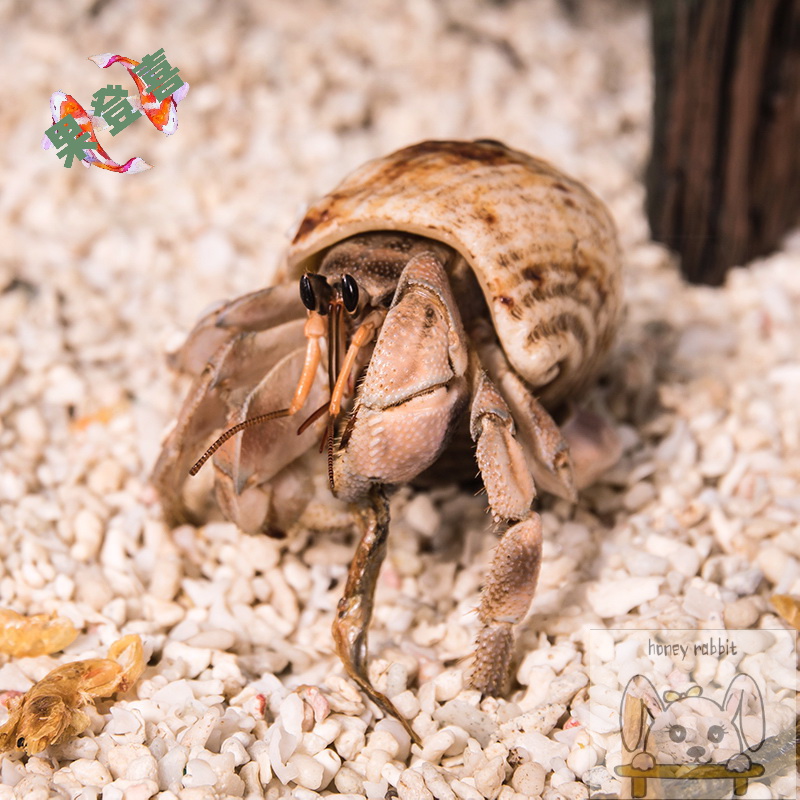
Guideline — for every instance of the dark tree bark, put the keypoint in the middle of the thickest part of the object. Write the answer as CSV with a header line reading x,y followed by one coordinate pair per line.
x,y
724,176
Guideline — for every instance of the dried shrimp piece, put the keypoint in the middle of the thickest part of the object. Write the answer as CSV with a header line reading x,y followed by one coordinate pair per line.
x,y
39,635
788,607
49,712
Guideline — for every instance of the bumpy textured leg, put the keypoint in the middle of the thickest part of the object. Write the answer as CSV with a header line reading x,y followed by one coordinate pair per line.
x,y
562,460
505,600
546,450
355,608
511,582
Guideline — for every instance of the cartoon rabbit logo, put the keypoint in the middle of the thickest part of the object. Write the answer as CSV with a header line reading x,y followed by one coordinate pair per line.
x,y
691,737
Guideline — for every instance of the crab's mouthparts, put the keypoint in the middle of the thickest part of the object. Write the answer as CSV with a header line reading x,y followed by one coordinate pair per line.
x,y
322,300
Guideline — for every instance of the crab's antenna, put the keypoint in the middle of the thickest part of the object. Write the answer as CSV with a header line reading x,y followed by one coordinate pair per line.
x,y
248,423
313,417
330,454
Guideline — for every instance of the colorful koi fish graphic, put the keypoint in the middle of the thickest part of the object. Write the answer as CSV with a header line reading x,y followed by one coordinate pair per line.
x,y
62,105
162,113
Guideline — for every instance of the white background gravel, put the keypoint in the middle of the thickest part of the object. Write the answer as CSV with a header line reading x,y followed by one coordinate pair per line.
x,y
102,273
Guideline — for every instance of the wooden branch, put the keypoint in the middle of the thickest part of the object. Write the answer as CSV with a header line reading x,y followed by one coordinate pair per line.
x,y
724,176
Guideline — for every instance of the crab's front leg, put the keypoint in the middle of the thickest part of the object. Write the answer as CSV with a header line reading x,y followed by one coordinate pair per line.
x,y
511,583
414,391
354,612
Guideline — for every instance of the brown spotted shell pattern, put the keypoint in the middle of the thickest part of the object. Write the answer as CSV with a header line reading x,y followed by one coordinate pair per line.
x,y
542,246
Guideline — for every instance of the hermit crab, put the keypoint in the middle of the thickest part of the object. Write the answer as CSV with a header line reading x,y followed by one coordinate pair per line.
x,y
449,291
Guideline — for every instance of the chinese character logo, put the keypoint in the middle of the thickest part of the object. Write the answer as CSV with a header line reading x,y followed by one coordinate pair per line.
x,y
69,138
73,133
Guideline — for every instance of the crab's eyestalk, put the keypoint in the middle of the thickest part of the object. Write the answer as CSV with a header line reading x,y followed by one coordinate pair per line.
x,y
315,292
307,293
350,293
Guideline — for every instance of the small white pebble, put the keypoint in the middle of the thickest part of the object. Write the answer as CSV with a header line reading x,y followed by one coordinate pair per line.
x,y
253,787
126,726
566,686
436,746
88,534
465,791
165,579
310,773
383,740
142,768
406,704
199,773
757,791
411,786
260,754
376,790
349,743
639,496
421,514
81,747
600,780
489,779
717,456
233,746
475,722
330,763
327,730
742,613
171,767
122,789
348,781
90,773
581,759
391,773
528,779
544,718
196,659
612,598
574,790
377,760
120,757
448,685
436,782
396,679
198,734
32,787
393,727
106,477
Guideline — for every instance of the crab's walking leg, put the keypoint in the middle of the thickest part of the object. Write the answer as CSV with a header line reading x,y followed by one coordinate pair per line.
x,y
562,458
511,583
355,608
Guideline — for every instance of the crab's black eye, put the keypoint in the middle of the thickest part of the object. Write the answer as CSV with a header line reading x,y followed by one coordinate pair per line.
x,y
307,293
315,292
349,293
